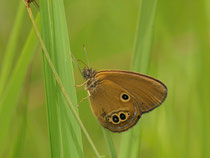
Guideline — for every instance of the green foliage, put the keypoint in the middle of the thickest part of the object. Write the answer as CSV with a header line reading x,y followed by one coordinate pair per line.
x,y
170,43
13,87
65,136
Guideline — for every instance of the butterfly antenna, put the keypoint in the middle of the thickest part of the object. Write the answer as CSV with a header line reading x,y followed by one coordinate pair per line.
x,y
76,63
85,50
83,63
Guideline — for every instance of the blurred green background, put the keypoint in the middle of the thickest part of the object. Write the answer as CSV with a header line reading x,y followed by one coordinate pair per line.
x,y
180,58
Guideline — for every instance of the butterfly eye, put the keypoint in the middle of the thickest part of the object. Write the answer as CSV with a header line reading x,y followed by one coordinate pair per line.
x,y
115,118
125,97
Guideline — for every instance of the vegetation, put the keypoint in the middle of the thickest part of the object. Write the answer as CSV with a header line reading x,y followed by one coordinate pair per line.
x,y
168,40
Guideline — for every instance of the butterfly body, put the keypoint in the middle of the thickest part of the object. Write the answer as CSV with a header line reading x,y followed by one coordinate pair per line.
x,y
119,98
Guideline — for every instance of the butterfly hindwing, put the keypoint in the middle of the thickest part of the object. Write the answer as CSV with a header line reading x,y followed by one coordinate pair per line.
x,y
114,107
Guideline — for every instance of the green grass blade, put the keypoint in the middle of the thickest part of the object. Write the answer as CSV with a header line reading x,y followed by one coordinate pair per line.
x,y
144,33
50,87
130,144
60,85
110,144
11,47
15,85
65,135
18,144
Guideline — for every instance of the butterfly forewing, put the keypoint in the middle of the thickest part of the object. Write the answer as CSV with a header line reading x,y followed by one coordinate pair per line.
x,y
148,92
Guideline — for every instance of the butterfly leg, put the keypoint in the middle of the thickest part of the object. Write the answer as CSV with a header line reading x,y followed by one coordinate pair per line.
x,y
37,4
80,85
84,99
27,2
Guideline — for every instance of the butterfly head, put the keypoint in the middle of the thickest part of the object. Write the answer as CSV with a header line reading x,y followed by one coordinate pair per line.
x,y
88,73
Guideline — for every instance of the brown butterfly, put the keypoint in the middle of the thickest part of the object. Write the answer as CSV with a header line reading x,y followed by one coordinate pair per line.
x,y
119,98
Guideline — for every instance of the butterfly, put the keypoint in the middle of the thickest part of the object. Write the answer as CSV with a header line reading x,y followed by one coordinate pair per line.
x,y
119,98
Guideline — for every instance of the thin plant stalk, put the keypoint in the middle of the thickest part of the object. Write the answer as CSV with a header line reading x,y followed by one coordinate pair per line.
x,y
58,80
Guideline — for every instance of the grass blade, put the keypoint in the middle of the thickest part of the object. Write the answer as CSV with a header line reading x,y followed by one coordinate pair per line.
x,y
141,57
65,140
110,144
60,85
130,144
17,149
15,85
11,47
